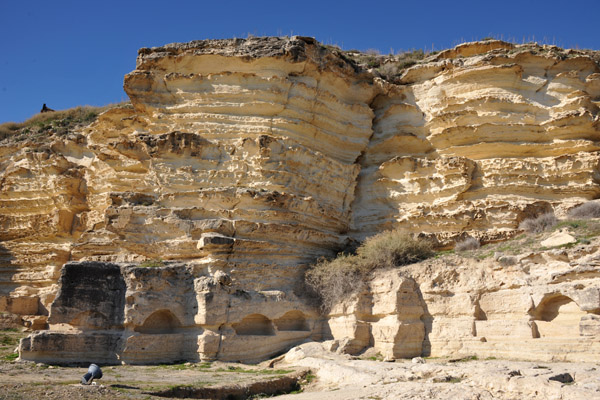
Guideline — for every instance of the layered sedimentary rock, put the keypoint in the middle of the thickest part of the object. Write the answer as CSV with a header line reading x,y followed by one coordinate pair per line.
x,y
114,313
477,144
255,157
537,306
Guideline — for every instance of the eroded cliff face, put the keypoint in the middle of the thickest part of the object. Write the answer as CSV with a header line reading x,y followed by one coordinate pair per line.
x,y
542,305
255,157
479,138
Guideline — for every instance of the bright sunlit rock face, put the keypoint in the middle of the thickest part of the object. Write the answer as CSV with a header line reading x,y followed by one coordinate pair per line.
x,y
475,144
257,156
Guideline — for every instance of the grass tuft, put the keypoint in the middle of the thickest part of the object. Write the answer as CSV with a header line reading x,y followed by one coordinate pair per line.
x,y
11,357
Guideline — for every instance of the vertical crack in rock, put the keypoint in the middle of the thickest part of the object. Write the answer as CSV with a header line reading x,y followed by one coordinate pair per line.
x,y
358,162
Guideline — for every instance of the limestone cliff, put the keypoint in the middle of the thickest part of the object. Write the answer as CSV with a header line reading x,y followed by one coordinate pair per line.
x,y
256,156
541,305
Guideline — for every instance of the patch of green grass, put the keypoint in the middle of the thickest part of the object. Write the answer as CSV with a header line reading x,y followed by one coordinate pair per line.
x,y
376,357
184,366
157,263
484,255
8,340
11,357
443,253
574,224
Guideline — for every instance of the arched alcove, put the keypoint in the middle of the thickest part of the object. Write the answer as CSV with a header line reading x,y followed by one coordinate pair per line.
x,y
550,307
292,321
161,321
254,324
557,316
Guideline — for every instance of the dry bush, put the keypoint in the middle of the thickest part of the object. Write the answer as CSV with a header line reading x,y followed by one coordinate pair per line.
x,y
393,249
539,224
332,280
467,244
587,210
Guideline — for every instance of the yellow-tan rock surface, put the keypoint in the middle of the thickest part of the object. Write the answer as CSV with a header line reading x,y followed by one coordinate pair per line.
x,y
541,305
256,156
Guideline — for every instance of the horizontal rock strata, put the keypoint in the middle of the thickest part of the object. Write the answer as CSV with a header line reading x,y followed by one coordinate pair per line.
x,y
113,313
257,156
541,306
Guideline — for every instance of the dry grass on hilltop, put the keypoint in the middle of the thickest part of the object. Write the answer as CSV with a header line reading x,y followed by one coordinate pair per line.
x,y
53,123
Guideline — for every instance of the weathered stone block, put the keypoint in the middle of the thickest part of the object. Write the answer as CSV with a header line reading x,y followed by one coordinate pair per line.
x,y
91,296
60,347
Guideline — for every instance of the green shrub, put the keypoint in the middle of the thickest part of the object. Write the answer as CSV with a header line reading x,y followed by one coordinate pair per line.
x,y
332,280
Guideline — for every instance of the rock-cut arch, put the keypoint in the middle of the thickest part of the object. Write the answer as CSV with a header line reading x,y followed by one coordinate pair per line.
x,y
161,321
557,316
254,324
550,307
292,321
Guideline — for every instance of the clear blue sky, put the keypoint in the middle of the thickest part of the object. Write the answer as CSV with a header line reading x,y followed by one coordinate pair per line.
x,y
69,53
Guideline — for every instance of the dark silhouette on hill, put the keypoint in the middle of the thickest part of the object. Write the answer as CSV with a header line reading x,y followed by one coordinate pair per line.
x,y
45,109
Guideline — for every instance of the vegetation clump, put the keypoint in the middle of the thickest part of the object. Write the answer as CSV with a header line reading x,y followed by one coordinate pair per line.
x,y
346,274
586,211
467,244
540,224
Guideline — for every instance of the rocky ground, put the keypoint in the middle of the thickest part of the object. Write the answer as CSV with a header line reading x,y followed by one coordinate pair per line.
x,y
331,376
345,377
